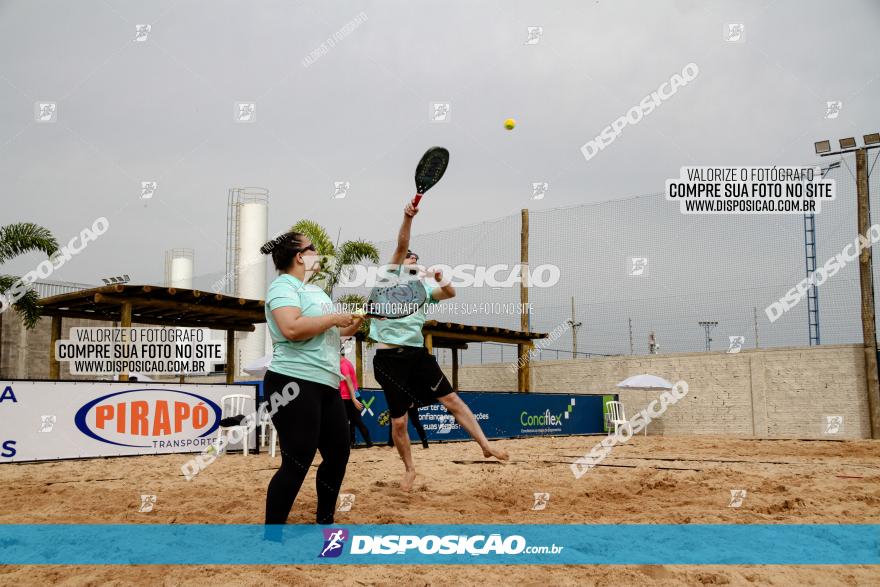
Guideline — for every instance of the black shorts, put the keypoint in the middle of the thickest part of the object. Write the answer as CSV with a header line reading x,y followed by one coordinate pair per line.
x,y
409,376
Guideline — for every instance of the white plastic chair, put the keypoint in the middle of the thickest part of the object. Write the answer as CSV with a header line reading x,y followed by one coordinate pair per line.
x,y
617,416
266,422
233,405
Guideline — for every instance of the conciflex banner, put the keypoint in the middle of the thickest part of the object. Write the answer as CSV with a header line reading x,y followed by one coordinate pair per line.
x,y
44,420
500,414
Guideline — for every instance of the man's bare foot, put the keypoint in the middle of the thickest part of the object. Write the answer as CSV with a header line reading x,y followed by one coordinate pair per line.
x,y
498,453
409,477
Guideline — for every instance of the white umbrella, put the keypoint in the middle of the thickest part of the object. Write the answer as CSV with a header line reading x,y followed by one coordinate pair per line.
x,y
649,382
259,367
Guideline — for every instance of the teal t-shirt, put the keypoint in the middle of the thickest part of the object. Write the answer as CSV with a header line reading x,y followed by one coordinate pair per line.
x,y
315,359
403,331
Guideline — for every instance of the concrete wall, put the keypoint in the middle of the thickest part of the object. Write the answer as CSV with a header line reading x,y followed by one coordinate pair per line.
x,y
765,393
24,354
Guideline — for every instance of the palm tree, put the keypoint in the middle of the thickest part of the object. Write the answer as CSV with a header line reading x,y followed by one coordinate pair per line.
x,y
15,240
343,258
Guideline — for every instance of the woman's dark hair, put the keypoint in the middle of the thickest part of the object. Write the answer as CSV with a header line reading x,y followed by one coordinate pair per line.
x,y
283,249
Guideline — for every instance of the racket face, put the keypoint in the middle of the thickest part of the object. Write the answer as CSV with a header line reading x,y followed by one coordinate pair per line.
x,y
431,168
396,301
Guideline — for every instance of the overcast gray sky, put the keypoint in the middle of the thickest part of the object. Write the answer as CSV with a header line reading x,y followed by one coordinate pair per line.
x,y
163,109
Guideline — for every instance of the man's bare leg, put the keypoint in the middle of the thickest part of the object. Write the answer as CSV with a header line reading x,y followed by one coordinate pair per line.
x,y
465,418
401,441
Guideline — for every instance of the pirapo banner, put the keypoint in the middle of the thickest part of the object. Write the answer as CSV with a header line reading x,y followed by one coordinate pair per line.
x,y
44,420
500,414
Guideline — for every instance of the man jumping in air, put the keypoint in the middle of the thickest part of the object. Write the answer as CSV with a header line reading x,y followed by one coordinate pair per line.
x,y
408,373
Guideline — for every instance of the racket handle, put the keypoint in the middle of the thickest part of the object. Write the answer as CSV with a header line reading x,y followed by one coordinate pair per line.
x,y
416,200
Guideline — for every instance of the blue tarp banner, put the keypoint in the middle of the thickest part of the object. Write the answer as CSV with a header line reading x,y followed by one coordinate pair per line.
x,y
546,544
501,415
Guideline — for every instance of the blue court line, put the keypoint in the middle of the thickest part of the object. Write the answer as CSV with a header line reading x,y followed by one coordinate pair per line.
x,y
624,544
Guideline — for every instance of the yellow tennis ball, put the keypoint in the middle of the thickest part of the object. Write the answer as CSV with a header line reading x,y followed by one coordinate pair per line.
x,y
509,124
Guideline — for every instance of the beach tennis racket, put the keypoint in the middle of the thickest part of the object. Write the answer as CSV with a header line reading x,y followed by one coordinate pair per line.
x,y
395,301
430,169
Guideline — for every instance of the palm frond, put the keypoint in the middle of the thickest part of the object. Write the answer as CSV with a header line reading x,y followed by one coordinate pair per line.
x,y
352,253
27,308
319,237
23,237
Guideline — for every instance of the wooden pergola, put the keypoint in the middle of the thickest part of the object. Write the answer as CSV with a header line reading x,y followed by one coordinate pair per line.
x,y
450,335
158,306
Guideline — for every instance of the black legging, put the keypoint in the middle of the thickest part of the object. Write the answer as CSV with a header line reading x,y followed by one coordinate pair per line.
x,y
314,421
354,420
417,424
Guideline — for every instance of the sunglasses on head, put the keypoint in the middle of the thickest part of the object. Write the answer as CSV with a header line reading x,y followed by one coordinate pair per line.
x,y
413,255
311,247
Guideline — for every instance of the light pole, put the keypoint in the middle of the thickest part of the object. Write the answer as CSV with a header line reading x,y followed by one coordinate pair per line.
x,y
866,278
708,326
117,279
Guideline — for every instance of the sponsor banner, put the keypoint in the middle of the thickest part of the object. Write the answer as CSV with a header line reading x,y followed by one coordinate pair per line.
x,y
545,544
43,420
500,414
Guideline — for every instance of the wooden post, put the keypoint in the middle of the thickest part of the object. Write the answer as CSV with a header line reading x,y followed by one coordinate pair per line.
x,y
527,369
125,322
524,367
866,282
524,267
521,384
359,361
230,357
454,369
55,334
